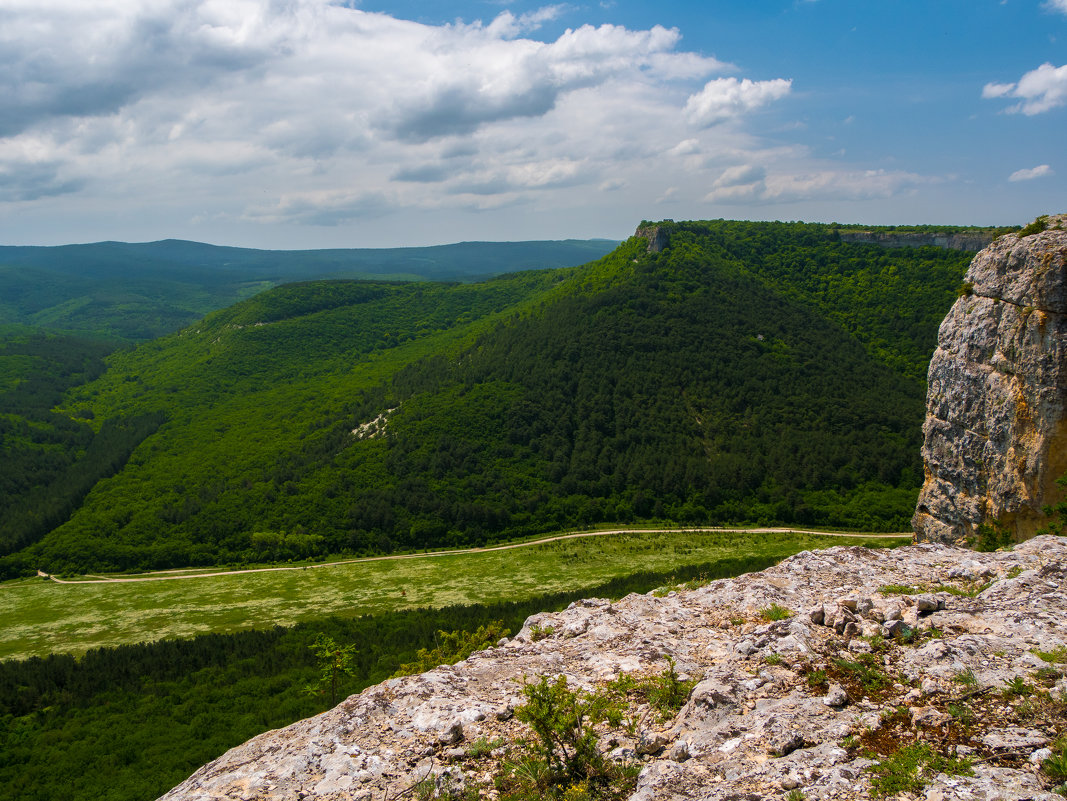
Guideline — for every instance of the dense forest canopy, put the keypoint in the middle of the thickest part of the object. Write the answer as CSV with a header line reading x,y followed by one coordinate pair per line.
x,y
747,373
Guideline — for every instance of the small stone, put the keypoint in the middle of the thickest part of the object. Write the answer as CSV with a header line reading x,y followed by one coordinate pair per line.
x,y
453,735
925,603
1014,738
785,744
651,743
913,695
835,696
1040,755
894,628
848,603
790,782
817,614
924,716
679,751
859,646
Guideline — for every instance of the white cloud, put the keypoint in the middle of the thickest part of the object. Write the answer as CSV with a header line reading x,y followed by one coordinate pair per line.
x,y
727,98
754,184
277,113
1040,171
1057,5
1040,90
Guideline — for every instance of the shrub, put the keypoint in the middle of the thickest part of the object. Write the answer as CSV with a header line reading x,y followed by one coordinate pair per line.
x,y
563,720
454,646
910,768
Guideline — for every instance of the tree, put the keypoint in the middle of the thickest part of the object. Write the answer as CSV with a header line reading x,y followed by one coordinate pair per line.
x,y
335,662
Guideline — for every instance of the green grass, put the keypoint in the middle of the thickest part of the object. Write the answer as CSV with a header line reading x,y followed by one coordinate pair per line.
x,y
42,617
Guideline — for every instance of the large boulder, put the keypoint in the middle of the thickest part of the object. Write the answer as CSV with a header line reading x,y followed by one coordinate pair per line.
x,y
995,436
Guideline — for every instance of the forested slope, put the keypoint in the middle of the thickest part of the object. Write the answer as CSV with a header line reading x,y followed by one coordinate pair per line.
x,y
749,372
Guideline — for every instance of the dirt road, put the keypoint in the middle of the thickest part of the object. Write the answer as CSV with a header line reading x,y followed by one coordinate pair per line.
x,y
182,573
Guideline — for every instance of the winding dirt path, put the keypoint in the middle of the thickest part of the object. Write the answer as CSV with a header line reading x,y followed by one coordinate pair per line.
x,y
182,573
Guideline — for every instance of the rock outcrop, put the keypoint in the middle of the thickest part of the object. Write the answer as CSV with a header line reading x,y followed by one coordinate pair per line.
x,y
656,235
898,239
875,650
995,435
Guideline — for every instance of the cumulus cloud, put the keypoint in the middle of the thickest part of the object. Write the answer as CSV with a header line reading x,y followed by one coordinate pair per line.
x,y
314,113
309,94
1039,90
1057,5
1040,171
754,184
726,98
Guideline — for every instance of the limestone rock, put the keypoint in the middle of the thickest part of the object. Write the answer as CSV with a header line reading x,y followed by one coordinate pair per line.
x,y
752,727
995,434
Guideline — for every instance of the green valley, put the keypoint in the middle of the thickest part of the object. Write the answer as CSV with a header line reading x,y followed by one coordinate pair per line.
x,y
749,373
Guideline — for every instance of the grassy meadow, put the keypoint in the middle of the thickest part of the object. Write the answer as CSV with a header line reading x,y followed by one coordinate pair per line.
x,y
42,616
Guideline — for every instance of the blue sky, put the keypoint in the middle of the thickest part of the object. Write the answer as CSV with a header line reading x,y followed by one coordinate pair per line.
x,y
310,123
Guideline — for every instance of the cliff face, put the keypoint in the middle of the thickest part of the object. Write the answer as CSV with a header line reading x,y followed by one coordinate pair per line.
x,y
995,435
916,240
799,703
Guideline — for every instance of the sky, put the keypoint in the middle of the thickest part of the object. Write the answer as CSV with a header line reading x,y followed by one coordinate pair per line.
x,y
383,123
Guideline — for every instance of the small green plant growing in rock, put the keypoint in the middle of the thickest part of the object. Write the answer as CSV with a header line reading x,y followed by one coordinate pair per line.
x,y
1036,227
966,677
910,768
898,589
538,633
865,670
483,746
667,692
1056,514
795,795
774,612
773,659
1055,767
454,646
1057,655
1017,688
816,679
989,537
961,713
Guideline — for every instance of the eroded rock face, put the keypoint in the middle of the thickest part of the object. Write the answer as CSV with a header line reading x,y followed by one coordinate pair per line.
x,y
755,725
995,435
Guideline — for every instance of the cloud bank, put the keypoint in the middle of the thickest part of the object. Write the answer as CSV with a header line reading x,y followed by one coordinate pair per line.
x,y
314,112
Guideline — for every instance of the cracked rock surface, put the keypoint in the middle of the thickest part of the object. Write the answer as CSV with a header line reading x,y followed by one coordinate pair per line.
x,y
777,705
995,434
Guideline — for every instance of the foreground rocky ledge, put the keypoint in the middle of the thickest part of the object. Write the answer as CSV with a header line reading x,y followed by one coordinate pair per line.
x,y
760,722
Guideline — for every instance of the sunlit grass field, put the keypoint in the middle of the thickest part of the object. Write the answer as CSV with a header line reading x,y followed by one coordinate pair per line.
x,y
40,616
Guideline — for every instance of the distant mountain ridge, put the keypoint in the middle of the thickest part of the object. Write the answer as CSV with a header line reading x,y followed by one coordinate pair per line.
x,y
138,291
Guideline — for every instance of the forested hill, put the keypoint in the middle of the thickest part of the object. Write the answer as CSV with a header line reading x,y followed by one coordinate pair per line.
x,y
747,372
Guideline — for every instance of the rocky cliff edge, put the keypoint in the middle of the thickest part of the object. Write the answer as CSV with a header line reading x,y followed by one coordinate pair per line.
x,y
877,650
995,434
